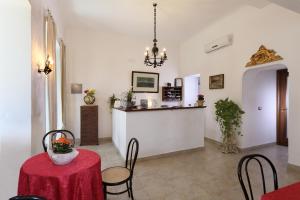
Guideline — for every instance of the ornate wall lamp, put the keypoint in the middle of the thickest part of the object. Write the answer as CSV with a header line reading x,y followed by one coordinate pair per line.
x,y
47,68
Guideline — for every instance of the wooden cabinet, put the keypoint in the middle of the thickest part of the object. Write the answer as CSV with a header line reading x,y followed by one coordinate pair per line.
x,y
171,93
89,125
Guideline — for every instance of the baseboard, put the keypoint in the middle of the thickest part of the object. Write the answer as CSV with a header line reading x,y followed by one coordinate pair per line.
x,y
257,147
291,167
212,141
100,140
242,149
171,154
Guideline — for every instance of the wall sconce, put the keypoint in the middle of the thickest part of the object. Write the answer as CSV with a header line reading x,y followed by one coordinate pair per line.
x,y
47,68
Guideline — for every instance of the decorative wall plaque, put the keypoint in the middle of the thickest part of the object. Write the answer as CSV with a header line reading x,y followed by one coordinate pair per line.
x,y
262,56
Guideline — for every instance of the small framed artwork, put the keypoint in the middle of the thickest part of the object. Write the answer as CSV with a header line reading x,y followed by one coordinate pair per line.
x,y
76,88
216,81
178,82
145,82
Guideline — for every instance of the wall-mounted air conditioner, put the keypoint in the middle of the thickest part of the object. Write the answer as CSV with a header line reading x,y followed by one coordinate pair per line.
x,y
219,43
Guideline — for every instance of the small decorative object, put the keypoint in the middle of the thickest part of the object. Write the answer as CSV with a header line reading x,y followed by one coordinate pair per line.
x,y
169,84
262,56
76,88
112,101
200,101
229,117
62,152
178,82
155,61
216,81
89,97
144,103
145,82
128,100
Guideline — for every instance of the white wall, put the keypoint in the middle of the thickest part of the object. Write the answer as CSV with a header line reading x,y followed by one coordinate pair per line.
x,y
273,26
38,12
104,61
259,90
15,84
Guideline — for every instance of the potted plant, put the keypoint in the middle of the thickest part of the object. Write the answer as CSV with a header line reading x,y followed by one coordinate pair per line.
x,y
62,151
200,100
229,117
129,99
112,101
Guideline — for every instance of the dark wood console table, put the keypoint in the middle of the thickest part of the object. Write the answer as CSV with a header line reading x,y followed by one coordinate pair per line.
x,y
89,125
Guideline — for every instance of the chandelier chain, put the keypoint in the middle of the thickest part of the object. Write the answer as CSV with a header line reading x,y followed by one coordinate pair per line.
x,y
155,21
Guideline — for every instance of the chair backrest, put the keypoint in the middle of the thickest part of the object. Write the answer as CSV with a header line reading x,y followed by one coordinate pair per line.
x,y
132,153
243,166
27,198
53,135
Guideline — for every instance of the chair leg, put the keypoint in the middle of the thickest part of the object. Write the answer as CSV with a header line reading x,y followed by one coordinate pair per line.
x,y
105,192
128,190
131,193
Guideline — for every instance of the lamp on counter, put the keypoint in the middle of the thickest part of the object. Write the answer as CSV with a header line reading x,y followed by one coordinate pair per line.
x,y
47,69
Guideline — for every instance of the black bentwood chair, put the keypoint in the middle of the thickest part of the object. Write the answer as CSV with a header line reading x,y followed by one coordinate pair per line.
x,y
114,176
54,133
258,158
27,198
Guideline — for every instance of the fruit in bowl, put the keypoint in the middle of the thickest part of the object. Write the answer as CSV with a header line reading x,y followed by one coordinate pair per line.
x,y
62,152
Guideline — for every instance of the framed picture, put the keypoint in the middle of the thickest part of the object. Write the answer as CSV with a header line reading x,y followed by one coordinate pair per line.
x,y
216,81
145,82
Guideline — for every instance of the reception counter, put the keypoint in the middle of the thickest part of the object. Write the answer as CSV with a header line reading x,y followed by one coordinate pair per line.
x,y
159,130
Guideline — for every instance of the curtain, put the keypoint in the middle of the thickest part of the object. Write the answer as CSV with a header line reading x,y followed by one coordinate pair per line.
x,y
60,78
63,80
50,39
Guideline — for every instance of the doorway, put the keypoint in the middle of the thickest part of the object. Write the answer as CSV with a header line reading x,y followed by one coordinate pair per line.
x,y
282,106
265,102
191,89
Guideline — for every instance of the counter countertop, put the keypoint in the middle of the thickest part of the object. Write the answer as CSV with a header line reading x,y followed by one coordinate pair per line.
x,y
158,109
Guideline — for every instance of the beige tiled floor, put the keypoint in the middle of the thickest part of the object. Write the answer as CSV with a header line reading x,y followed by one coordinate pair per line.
x,y
200,175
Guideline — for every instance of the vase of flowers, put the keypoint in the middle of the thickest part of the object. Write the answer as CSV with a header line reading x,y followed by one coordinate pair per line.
x,y
89,97
62,152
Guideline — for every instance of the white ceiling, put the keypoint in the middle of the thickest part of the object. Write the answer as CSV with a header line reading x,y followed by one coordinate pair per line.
x,y
177,19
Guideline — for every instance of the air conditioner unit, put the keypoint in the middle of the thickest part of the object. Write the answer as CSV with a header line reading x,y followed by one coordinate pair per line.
x,y
219,43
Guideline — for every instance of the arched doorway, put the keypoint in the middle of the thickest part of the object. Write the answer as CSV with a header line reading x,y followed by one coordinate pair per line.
x,y
265,101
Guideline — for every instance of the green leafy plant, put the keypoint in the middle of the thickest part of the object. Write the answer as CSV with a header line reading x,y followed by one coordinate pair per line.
x,y
229,117
112,101
129,96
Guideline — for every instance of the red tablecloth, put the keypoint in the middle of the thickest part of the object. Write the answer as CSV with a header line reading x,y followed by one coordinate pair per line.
x,y
79,180
291,192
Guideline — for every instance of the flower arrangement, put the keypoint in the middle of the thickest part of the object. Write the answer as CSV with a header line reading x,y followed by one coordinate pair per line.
x,y
90,92
62,146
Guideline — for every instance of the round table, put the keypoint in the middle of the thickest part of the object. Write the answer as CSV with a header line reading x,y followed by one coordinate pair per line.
x,y
79,180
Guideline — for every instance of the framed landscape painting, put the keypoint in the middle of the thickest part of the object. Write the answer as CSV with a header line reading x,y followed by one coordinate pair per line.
x,y
145,82
216,81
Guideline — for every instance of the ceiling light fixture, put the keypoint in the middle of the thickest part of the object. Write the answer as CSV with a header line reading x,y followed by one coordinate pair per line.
x,y
154,60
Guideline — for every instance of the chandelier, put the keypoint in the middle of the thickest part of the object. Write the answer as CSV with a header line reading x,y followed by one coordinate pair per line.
x,y
155,59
